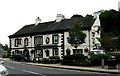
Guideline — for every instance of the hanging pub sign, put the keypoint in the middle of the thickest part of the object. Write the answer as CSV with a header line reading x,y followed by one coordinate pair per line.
x,y
86,50
47,40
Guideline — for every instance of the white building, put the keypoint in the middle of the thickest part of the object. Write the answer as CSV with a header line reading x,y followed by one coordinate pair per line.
x,y
50,38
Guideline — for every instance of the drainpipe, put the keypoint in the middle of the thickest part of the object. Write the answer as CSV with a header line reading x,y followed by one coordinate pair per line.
x,y
10,44
89,38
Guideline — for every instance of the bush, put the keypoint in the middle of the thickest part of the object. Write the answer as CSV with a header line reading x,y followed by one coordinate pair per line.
x,y
34,60
77,59
5,56
39,61
54,59
117,56
45,60
97,59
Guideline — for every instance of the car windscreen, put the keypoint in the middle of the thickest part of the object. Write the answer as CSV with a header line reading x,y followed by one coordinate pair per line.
x,y
99,52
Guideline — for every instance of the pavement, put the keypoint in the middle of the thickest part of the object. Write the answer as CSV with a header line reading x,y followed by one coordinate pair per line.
x,y
80,68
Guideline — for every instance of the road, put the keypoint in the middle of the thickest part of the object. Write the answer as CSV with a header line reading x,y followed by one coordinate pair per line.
x,y
22,69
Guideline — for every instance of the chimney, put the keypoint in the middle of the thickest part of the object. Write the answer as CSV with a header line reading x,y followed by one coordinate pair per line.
x,y
38,20
119,6
59,17
96,15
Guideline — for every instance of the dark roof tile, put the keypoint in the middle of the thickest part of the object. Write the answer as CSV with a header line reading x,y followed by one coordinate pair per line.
x,y
65,24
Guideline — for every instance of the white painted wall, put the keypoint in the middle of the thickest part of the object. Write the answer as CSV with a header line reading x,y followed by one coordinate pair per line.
x,y
66,44
82,46
94,29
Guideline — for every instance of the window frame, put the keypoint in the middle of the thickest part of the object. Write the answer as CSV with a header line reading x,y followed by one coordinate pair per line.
x,y
55,52
36,40
55,39
47,53
26,40
18,42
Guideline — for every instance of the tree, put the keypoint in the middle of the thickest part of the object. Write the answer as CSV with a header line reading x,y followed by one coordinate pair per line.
x,y
6,47
110,24
118,42
76,36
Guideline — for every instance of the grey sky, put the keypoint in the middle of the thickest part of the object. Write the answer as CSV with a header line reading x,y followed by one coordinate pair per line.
x,y
14,14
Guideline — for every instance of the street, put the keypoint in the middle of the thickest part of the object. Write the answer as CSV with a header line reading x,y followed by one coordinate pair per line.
x,y
22,69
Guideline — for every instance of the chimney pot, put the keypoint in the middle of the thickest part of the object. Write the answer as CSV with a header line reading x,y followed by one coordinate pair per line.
x,y
59,17
38,20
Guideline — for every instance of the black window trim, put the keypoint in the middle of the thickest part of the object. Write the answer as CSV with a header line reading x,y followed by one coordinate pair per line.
x,y
54,54
26,42
18,42
36,38
53,36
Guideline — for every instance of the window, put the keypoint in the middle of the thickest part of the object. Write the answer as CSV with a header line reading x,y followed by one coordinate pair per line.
x,y
77,51
47,52
17,51
13,52
16,45
38,40
55,52
55,39
39,53
26,41
67,51
17,42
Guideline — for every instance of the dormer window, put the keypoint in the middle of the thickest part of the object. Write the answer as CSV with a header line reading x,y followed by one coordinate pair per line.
x,y
26,41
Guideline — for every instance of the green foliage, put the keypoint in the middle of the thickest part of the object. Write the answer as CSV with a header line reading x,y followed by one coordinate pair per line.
x,y
76,36
110,24
54,57
74,57
118,42
97,59
77,59
5,54
116,54
110,21
45,60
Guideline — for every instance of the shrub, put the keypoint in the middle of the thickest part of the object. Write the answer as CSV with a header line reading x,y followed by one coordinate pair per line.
x,y
117,56
34,60
45,60
54,59
77,59
97,59
39,61
74,57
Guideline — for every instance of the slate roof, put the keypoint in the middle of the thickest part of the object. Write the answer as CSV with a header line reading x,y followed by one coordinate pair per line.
x,y
53,26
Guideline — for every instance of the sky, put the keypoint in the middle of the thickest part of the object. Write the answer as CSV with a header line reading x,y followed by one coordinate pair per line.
x,y
14,14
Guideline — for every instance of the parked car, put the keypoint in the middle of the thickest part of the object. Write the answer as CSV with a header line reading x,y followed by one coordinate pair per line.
x,y
19,57
96,56
96,52
3,70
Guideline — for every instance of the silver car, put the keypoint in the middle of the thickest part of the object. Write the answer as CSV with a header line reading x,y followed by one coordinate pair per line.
x,y
3,70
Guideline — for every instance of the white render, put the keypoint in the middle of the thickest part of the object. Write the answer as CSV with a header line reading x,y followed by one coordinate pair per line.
x,y
59,17
90,40
96,33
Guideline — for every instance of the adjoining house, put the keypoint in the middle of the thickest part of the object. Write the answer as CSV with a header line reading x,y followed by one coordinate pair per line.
x,y
44,39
